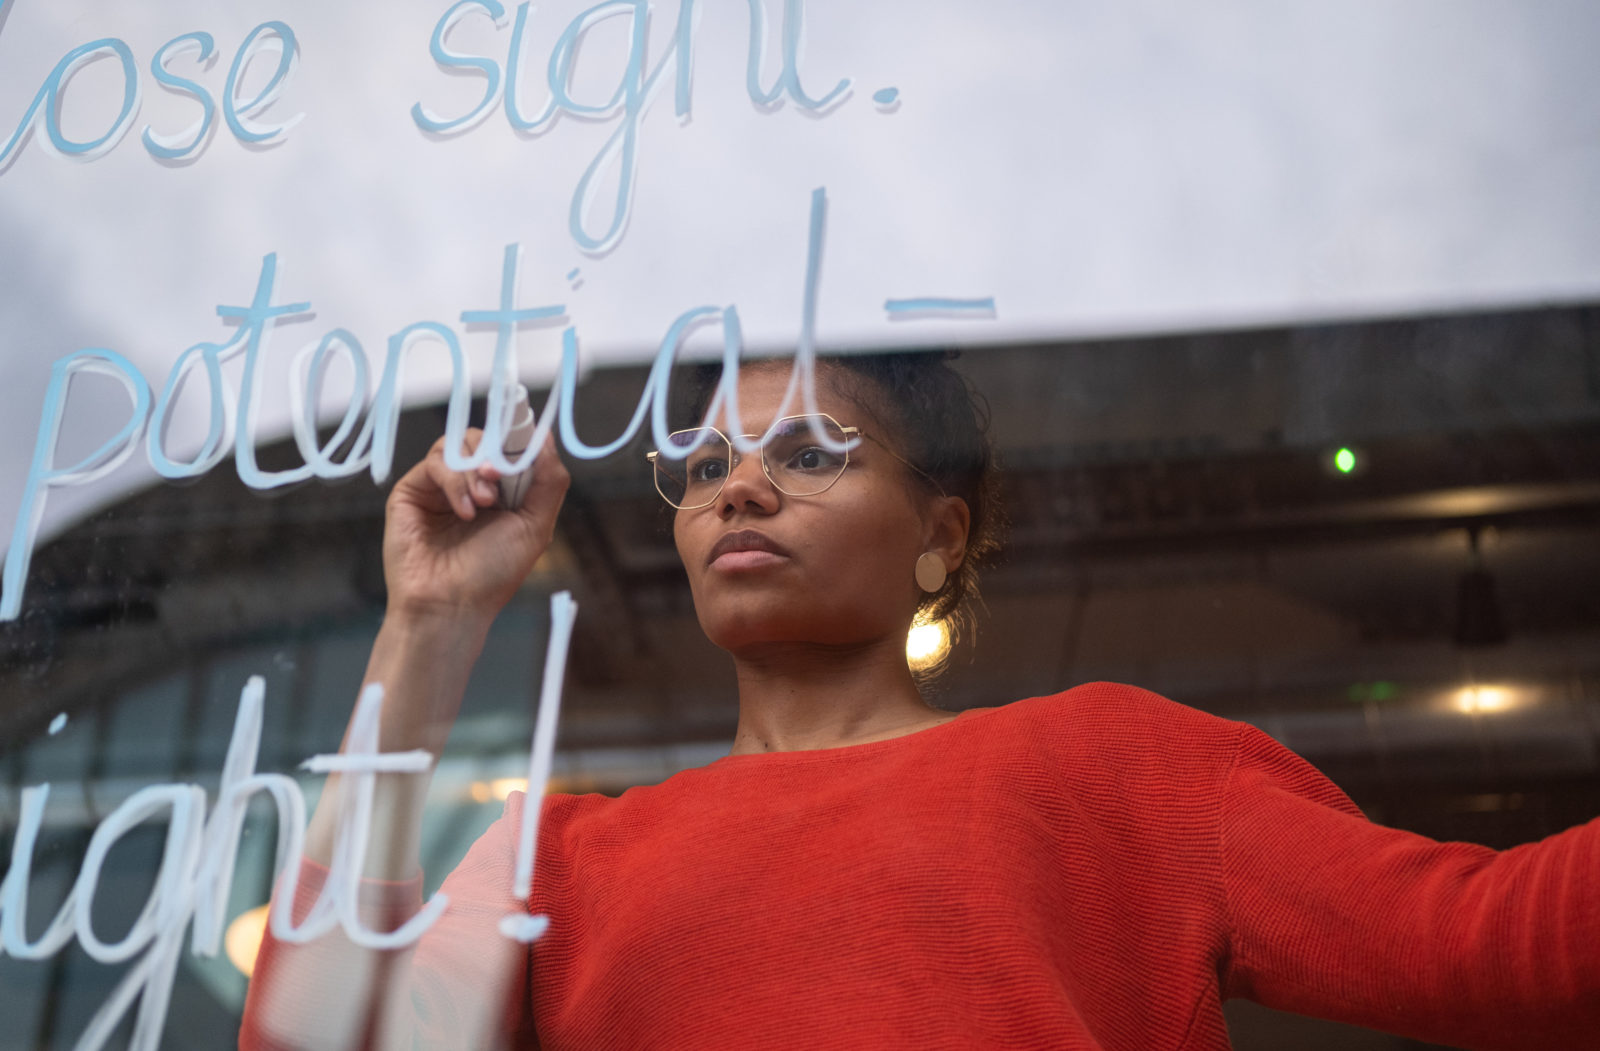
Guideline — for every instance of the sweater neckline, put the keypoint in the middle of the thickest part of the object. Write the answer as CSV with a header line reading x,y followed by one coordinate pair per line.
x,y
851,751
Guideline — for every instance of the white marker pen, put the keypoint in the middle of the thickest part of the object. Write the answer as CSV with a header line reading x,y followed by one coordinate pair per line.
x,y
514,487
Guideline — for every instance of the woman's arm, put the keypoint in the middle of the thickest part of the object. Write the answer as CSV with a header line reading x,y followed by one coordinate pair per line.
x,y
423,660
452,559
1335,917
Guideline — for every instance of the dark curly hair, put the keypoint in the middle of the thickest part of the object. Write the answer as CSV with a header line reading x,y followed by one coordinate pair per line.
x,y
942,423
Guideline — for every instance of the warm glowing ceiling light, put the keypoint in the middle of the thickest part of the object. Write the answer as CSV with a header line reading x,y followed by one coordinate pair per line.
x,y
242,940
1484,699
502,787
927,644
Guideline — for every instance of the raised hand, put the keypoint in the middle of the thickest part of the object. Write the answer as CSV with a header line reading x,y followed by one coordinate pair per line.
x,y
448,547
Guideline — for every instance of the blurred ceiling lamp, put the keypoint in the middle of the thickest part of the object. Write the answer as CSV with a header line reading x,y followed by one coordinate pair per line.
x,y
1472,699
1478,620
242,940
927,644
499,788
502,787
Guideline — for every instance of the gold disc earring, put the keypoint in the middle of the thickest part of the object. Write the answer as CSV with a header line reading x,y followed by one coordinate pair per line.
x,y
931,573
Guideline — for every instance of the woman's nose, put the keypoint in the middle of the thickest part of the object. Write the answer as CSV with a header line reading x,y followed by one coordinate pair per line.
x,y
748,487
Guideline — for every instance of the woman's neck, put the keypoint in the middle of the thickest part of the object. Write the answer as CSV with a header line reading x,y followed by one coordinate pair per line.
x,y
797,697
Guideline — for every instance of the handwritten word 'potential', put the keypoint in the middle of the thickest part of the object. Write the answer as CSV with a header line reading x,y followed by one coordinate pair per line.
x,y
232,416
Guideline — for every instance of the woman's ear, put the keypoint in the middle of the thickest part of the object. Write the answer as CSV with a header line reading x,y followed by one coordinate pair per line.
x,y
949,523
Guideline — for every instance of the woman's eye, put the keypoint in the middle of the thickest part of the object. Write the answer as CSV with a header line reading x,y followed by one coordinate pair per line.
x,y
708,471
813,459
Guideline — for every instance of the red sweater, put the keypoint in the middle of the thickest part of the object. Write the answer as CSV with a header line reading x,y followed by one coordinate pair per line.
x,y
1096,869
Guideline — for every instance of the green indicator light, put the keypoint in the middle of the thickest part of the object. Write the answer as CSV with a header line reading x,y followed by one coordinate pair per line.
x,y
1362,692
1345,460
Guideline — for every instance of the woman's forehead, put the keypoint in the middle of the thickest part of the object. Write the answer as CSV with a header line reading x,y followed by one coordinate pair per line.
x,y
761,398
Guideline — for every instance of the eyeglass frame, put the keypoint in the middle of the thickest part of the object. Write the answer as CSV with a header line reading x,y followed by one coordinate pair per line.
x,y
848,432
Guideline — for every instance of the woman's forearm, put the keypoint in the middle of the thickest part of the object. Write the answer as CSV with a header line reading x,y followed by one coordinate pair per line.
x,y
423,661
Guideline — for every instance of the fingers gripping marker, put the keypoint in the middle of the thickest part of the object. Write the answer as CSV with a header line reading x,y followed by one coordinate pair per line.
x,y
518,436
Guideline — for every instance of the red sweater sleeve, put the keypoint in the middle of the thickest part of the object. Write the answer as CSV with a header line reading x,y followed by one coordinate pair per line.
x,y
1335,917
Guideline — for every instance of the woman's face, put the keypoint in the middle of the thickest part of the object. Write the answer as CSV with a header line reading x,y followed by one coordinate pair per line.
x,y
836,568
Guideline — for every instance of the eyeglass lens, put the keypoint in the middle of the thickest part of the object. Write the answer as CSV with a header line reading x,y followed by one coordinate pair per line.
x,y
702,460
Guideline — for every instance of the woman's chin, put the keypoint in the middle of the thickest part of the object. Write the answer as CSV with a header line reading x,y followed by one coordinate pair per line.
x,y
753,636
748,638
752,625
752,618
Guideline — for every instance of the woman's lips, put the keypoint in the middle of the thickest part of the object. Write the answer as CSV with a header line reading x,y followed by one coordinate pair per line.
x,y
745,549
736,560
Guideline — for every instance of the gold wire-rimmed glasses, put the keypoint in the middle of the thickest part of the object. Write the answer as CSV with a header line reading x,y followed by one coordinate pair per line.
x,y
793,457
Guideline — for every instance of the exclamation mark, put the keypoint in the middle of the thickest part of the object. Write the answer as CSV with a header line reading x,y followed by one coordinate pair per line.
x,y
523,926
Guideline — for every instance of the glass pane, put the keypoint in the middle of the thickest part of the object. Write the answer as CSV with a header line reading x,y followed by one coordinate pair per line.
x,y
1282,326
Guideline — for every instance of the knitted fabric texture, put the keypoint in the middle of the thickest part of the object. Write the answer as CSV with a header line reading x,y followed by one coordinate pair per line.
x,y
1095,869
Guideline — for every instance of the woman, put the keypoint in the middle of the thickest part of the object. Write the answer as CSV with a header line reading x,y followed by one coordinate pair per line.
x,y
1097,869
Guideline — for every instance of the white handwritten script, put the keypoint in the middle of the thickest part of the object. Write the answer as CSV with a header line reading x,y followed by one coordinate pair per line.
x,y
232,414
198,859
636,89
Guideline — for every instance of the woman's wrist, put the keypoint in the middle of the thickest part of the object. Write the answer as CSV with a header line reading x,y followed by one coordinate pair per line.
x,y
423,657
437,625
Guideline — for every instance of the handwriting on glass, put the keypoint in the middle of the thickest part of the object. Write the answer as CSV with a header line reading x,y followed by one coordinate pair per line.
x,y
504,87
45,109
198,860
232,417
201,846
